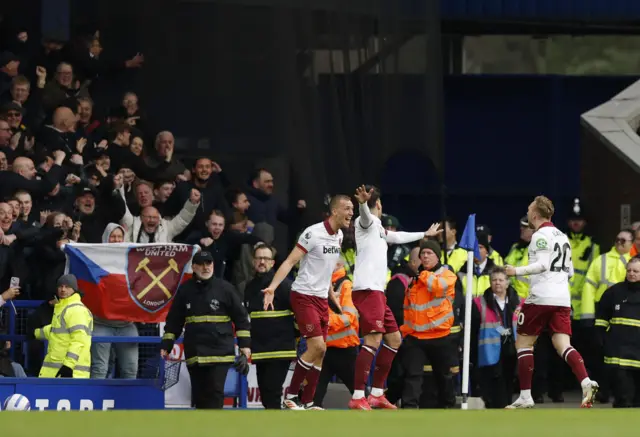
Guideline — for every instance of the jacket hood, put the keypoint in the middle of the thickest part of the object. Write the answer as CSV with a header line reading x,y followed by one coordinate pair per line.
x,y
109,229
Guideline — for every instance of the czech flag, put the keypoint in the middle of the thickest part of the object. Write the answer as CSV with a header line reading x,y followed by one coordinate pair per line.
x,y
129,281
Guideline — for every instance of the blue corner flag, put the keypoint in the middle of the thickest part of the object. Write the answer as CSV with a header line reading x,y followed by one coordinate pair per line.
x,y
469,241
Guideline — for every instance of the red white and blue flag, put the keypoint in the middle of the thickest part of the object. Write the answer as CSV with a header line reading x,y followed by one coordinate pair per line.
x,y
129,281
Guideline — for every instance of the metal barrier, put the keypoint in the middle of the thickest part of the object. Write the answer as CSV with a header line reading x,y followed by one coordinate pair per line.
x,y
236,386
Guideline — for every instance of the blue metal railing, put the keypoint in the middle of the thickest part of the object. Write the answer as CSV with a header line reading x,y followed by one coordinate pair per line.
x,y
22,308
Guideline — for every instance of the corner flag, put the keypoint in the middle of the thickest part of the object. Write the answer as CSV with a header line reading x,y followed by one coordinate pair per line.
x,y
469,242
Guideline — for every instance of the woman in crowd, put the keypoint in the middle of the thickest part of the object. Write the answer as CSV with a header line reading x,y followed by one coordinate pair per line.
x,y
493,324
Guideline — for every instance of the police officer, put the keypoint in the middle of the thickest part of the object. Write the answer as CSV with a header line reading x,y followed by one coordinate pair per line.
x,y
273,332
493,254
583,251
206,307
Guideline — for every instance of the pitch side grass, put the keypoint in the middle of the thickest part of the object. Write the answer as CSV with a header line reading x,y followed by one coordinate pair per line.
x,y
342,423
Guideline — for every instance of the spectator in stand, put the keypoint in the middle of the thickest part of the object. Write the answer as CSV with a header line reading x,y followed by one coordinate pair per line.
x,y
64,87
137,146
86,125
209,179
29,98
143,193
126,354
8,368
97,208
239,204
60,134
263,206
150,227
5,139
134,114
4,163
49,256
161,193
167,167
9,64
223,245
23,177
26,217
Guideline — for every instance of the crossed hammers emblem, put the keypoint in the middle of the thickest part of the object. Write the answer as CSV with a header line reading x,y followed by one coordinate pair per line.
x,y
156,280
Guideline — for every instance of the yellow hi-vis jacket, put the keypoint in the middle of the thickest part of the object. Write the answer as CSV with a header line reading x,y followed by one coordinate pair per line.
x,y
519,256
69,336
583,252
456,259
606,270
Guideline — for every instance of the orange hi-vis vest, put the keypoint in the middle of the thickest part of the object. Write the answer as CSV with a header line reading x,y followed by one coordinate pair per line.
x,y
343,328
428,305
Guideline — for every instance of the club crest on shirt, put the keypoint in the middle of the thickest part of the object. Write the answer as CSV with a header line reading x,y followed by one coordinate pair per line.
x,y
309,327
307,236
214,304
541,243
379,323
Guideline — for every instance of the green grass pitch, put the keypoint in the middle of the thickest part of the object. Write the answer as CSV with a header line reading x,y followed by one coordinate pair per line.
x,y
343,423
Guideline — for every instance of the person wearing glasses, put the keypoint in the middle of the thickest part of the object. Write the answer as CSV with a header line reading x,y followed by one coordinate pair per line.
x,y
606,270
273,332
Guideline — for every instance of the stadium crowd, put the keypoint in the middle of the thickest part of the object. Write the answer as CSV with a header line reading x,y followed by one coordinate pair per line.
x,y
72,171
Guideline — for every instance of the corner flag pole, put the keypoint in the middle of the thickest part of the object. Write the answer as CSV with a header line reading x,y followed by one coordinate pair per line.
x,y
470,243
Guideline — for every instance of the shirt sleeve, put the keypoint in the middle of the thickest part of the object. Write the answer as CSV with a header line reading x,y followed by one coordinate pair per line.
x,y
403,237
307,240
542,251
366,218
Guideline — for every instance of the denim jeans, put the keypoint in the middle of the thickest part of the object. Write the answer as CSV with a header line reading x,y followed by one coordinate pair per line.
x,y
126,353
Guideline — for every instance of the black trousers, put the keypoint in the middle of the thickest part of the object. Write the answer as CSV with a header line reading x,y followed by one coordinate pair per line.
x,y
549,369
496,382
340,362
440,353
271,375
207,385
395,380
625,384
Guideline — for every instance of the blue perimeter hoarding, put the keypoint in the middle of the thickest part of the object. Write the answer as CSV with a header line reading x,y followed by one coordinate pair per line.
x,y
85,394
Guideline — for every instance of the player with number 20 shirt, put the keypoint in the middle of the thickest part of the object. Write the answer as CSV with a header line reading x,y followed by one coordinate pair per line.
x,y
549,302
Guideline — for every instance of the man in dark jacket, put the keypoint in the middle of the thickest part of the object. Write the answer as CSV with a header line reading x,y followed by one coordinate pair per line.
x,y
273,333
207,178
206,307
97,208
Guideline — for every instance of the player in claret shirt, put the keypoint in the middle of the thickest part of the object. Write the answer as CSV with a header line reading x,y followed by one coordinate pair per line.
x,y
549,302
369,282
318,251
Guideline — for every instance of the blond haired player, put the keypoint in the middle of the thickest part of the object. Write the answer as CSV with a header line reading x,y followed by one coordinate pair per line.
x,y
548,304
318,250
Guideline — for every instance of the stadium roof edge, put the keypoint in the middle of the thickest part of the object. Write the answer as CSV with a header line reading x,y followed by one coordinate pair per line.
x,y
616,122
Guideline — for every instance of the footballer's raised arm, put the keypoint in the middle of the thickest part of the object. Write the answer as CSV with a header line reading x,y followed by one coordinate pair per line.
x,y
294,258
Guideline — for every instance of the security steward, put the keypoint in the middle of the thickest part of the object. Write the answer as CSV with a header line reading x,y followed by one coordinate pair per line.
x,y
428,319
519,256
207,308
618,328
69,334
481,268
456,255
343,341
273,334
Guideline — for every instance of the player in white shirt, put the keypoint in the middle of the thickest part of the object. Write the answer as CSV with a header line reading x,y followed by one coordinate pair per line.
x,y
369,282
318,250
549,302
